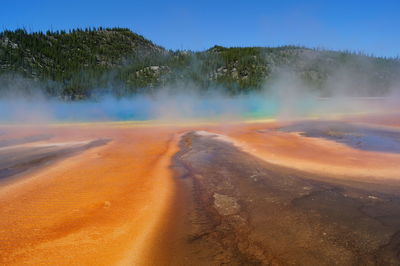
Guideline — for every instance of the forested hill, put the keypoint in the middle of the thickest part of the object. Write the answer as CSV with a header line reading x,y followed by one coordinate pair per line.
x,y
78,63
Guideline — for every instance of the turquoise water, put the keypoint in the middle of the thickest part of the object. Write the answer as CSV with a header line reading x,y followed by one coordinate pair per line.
x,y
146,108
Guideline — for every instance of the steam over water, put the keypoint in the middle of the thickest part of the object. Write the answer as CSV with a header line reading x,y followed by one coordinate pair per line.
x,y
183,107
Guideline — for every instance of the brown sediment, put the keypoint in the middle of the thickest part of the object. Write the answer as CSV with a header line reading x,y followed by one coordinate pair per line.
x,y
249,212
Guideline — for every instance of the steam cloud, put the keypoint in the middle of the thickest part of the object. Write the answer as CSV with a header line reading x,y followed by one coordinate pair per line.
x,y
285,98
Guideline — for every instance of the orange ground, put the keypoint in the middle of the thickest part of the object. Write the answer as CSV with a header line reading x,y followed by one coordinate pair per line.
x,y
317,155
107,205
99,207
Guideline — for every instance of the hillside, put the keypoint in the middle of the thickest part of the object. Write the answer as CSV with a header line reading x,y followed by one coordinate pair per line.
x,y
79,63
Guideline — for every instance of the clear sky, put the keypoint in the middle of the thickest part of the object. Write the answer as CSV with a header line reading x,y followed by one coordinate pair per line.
x,y
369,26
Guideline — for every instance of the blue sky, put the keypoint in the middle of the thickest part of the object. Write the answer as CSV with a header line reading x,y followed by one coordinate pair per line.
x,y
369,26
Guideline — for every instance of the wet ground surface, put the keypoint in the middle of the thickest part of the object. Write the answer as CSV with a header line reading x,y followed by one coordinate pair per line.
x,y
63,202
23,140
244,211
18,159
79,199
361,137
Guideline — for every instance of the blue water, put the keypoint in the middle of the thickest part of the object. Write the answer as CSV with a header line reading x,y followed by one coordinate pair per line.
x,y
138,108
168,107
356,136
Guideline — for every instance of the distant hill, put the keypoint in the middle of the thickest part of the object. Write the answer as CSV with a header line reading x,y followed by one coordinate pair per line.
x,y
79,63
